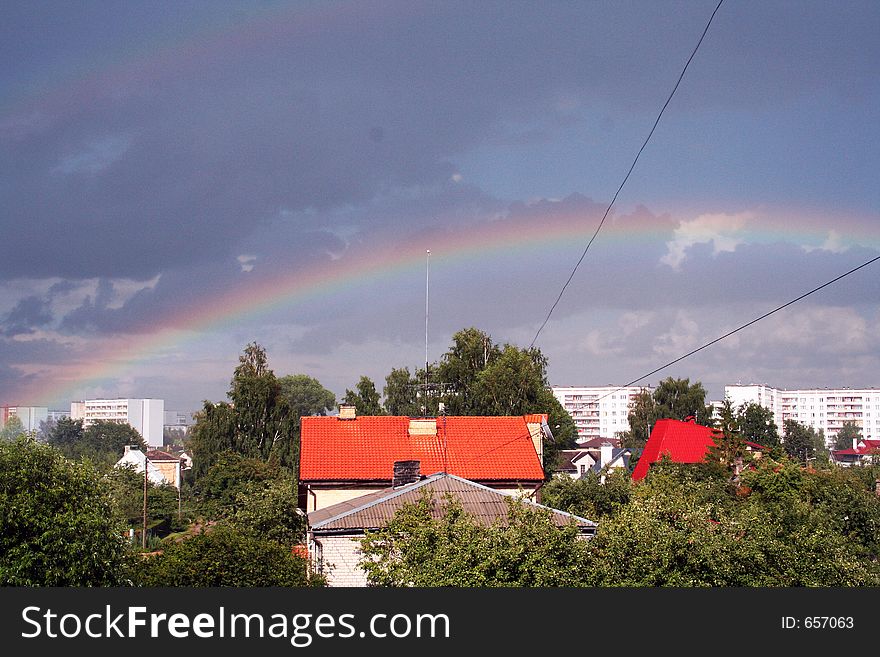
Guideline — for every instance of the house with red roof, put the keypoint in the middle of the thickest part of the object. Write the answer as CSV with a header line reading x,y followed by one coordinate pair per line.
x,y
346,456
862,452
682,442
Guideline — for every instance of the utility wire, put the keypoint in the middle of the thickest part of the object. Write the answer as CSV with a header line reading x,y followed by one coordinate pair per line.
x,y
626,177
746,325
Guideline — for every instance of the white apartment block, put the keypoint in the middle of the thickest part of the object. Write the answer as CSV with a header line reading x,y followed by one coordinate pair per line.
x,y
29,416
820,408
145,415
598,411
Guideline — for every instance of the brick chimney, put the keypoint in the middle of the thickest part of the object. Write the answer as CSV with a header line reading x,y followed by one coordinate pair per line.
x,y
406,472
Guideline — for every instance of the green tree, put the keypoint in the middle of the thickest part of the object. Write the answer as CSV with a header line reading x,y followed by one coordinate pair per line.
x,y
527,549
58,528
264,426
471,352
306,396
686,526
675,399
757,425
729,449
225,556
847,435
801,441
402,394
127,496
588,496
103,442
66,435
364,398
269,511
12,429
230,475
257,422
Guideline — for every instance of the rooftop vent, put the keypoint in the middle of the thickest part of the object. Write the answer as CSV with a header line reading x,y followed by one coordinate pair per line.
x,y
347,412
405,472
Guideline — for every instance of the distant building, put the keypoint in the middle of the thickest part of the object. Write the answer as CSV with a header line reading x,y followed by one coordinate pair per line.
x,y
145,415
824,409
162,468
29,416
54,416
598,411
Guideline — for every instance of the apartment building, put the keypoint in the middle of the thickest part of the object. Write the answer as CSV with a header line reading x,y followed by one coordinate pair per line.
x,y
30,416
145,415
823,409
598,411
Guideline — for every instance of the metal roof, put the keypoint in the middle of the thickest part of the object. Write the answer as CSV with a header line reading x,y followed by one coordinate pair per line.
x,y
375,510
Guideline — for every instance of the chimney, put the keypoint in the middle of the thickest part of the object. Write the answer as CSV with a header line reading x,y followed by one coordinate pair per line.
x,y
536,433
347,412
423,426
606,449
405,472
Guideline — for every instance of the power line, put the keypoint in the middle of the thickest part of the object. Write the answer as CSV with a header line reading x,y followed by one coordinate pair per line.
x,y
626,177
746,325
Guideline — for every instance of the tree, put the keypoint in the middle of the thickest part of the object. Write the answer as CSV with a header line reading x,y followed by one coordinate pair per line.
x,y
264,426
257,422
685,526
401,393
364,398
527,549
65,435
127,496
224,556
588,496
58,525
306,396
230,475
801,442
103,442
12,429
269,511
679,399
471,352
757,425
729,448
675,399
641,419
848,434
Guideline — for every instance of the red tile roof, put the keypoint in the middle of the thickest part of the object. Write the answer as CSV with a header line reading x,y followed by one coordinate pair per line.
x,y
683,442
365,448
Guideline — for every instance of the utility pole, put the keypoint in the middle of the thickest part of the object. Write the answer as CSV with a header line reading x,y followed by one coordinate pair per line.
x,y
144,534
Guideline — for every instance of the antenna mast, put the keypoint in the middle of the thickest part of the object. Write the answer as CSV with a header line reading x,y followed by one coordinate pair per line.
x,y
427,278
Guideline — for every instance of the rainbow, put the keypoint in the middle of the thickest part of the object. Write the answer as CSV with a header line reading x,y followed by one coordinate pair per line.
x,y
529,232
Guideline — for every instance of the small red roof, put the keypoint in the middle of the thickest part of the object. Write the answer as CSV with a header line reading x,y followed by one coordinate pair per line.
x,y
365,448
683,442
158,455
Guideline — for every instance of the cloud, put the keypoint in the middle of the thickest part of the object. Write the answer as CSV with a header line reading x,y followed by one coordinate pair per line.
x,y
28,314
722,231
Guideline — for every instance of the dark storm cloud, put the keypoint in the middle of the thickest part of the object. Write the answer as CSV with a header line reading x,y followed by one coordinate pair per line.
x,y
28,314
177,160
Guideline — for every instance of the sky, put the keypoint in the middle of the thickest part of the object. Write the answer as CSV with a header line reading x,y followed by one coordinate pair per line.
x,y
179,179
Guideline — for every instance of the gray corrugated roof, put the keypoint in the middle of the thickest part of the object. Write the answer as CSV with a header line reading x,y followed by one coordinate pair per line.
x,y
376,509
